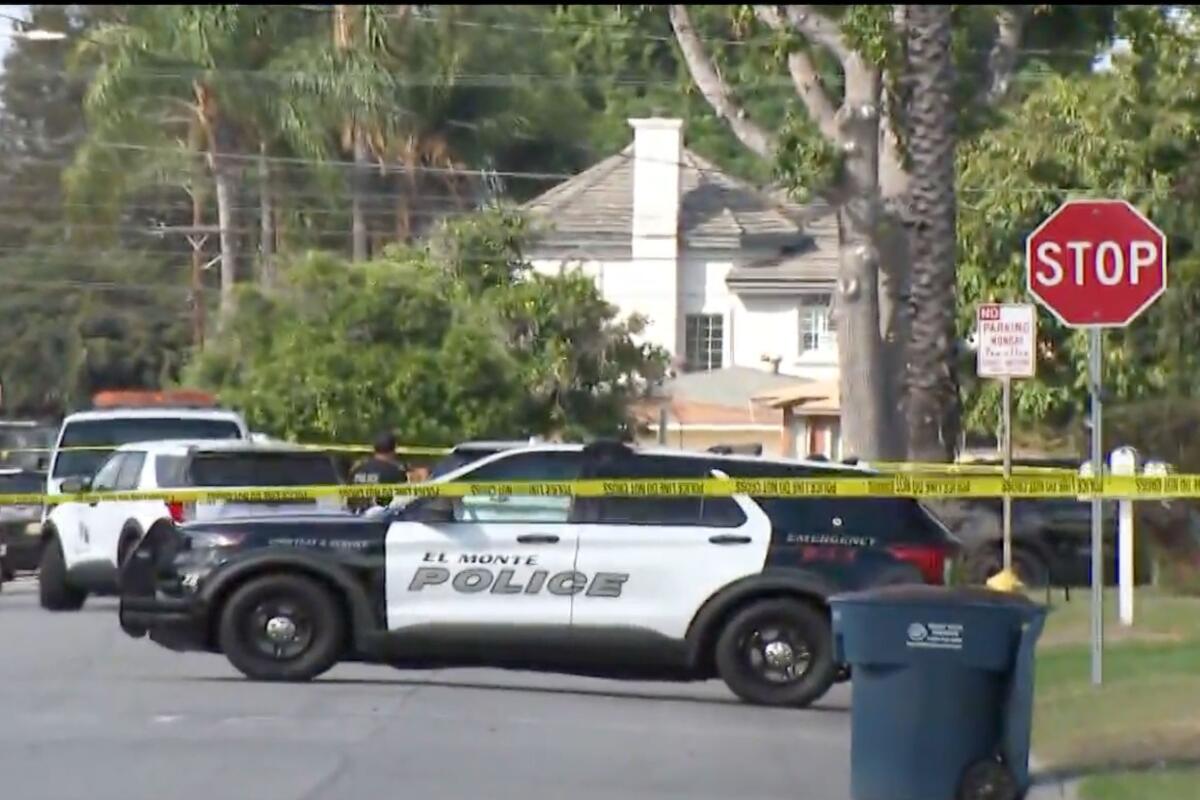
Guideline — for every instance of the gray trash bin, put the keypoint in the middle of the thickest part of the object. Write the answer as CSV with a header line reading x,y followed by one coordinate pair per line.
x,y
942,691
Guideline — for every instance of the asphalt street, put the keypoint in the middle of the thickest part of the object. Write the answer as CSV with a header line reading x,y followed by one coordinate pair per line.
x,y
87,713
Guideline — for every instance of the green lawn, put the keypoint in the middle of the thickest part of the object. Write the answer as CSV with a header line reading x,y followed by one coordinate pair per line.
x,y
1146,713
1167,784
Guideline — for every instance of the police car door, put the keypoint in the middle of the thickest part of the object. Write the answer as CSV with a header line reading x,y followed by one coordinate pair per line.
x,y
670,554
487,561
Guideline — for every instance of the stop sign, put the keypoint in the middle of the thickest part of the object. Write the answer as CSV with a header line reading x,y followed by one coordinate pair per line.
x,y
1096,263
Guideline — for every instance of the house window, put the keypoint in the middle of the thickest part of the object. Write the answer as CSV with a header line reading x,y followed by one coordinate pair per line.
x,y
705,341
818,328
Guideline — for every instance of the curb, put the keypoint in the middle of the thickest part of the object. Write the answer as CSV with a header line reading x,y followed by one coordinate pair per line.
x,y
1049,786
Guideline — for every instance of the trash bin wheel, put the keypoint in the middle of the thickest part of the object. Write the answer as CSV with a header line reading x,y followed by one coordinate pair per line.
x,y
777,652
988,780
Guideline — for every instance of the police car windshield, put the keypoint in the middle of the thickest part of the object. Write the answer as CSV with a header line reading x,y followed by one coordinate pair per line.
x,y
109,434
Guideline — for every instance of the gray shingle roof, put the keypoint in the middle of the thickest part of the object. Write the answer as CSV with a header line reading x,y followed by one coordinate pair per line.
x,y
595,208
813,263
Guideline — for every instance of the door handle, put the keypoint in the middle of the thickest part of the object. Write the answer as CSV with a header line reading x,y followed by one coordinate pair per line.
x,y
729,538
538,538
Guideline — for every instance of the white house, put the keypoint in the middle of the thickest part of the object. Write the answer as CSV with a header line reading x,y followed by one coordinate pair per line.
x,y
735,282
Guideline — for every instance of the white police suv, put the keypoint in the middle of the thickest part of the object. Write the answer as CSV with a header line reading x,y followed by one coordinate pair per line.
x,y
683,588
84,543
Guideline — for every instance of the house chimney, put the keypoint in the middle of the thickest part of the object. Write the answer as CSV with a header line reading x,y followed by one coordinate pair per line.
x,y
657,157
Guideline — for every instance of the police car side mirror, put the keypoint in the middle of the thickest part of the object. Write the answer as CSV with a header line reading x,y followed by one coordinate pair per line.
x,y
76,485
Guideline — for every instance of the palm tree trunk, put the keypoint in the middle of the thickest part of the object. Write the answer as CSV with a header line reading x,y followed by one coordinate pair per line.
x,y
933,404
343,41
358,226
266,201
223,176
221,140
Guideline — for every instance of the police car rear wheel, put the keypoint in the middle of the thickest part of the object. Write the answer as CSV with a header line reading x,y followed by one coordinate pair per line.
x,y
282,628
776,652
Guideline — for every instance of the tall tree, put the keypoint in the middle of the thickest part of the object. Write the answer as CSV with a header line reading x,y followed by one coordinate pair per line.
x,y
163,68
455,339
1128,131
847,144
931,125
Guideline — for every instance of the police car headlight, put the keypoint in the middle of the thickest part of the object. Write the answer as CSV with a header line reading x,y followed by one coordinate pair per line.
x,y
207,540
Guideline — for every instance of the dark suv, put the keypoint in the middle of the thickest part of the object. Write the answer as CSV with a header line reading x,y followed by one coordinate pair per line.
x,y
682,587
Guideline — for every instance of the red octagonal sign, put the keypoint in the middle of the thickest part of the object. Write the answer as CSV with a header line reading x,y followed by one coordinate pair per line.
x,y
1096,263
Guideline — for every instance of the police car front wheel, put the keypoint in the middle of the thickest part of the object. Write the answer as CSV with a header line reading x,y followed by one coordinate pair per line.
x,y
282,628
777,652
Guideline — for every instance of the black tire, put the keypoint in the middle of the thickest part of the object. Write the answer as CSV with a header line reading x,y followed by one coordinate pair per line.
x,y
54,592
987,780
740,653
319,628
125,547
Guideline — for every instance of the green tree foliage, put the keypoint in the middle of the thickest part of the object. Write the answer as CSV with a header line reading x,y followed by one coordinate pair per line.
x,y
455,339
1128,133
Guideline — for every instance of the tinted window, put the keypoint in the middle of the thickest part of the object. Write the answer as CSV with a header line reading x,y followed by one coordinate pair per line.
x,y
648,510
25,447
23,483
170,471
106,476
252,469
111,433
131,471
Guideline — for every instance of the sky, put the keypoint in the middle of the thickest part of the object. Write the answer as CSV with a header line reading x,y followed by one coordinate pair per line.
x,y
6,27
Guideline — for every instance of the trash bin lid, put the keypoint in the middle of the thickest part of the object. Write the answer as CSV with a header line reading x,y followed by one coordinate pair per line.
x,y
938,595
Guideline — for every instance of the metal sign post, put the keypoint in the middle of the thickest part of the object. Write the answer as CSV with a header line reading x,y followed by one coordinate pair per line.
x,y
1096,264
1095,367
1007,340
1007,382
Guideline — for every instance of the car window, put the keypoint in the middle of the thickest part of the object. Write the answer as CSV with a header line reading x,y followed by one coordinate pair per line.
x,y
23,483
105,433
170,471
106,476
256,469
560,465
131,471
459,458
648,510
543,466
513,508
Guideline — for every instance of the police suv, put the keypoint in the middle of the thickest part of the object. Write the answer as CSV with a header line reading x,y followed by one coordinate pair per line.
x,y
677,588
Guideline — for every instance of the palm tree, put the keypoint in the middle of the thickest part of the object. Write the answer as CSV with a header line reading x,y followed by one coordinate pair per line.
x,y
933,406
337,89
163,70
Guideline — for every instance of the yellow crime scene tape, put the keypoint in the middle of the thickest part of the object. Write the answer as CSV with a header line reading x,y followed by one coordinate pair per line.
x,y
867,485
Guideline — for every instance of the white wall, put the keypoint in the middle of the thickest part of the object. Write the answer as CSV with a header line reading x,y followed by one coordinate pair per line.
x,y
770,326
646,287
754,326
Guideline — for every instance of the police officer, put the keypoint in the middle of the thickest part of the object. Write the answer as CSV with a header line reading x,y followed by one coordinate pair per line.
x,y
381,467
